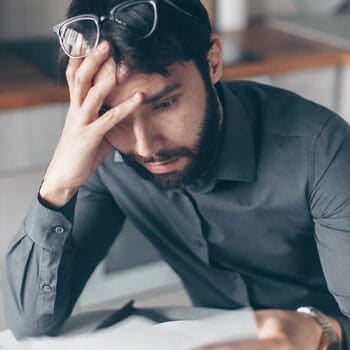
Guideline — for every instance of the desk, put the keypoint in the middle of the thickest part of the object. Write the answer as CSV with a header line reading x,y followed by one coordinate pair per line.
x,y
281,52
88,321
221,328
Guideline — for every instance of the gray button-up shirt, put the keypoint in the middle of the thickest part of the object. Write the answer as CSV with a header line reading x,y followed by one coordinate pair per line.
x,y
268,227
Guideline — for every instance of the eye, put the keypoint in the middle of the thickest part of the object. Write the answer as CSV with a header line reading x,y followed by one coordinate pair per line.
x,y
165,104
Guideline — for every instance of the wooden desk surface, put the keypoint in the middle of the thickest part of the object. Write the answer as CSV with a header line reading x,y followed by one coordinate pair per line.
x,y
280,52
23,85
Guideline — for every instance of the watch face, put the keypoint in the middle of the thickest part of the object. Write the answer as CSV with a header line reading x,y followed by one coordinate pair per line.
x,y
333,346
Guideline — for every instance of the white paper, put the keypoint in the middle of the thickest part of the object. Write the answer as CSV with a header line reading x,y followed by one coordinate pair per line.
x,y
7,339
141,334
229,326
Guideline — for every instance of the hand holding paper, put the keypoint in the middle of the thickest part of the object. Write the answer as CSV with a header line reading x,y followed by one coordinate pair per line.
x,y
279,329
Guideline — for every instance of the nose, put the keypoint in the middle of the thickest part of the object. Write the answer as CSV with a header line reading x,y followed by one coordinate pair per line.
x,y
148,140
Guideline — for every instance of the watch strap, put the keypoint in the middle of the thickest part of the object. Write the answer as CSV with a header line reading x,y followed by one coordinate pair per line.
x,y
330,339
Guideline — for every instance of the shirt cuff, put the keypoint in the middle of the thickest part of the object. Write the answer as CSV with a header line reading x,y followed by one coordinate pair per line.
x,y
345,326
49,228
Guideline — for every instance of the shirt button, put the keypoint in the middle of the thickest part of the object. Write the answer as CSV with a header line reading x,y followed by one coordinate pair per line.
x,y
59,229
198,243
46,288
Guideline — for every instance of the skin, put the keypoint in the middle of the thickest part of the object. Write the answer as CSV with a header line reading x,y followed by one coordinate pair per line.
x,y
170,116
139,123
282,330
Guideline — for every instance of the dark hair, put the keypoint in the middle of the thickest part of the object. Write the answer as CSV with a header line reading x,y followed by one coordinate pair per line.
x,y
178,37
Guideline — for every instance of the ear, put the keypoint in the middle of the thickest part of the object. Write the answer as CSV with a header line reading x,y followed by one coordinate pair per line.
x,y
215,59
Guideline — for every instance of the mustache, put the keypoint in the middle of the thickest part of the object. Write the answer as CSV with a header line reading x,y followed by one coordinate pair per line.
x,y
162,156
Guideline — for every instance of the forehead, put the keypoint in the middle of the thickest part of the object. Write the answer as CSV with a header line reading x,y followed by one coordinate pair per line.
x,y
184,76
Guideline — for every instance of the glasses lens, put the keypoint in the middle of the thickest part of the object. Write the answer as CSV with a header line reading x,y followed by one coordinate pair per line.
x,y
138,18
79,37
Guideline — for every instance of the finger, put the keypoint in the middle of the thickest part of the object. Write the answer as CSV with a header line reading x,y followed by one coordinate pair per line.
x,y
99,91
72,67
107,69
74,63
112,117
83,77
264,344
117,73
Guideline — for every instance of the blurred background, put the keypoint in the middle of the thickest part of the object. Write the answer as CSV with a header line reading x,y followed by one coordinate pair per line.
x,y
300,45
34,18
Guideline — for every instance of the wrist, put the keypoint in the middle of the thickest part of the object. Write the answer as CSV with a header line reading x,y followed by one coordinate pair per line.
x,y
331,336
54,198
337,329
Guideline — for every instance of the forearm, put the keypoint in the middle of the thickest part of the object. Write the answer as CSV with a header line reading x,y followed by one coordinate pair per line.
x,y
37,278
43,252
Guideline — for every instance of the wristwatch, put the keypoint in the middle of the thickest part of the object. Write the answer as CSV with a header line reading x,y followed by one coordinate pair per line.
x,y
330,339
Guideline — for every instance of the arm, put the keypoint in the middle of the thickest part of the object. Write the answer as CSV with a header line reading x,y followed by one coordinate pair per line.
x,y
22,287
330,207
53,254
329,199
52,257
82,145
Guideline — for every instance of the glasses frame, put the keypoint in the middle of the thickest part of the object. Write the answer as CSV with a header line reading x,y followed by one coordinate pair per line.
x,y
111,17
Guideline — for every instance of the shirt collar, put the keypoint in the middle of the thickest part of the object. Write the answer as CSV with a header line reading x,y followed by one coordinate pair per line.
x,y
236,159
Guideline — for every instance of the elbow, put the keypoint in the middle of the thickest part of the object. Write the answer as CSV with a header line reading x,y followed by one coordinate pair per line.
x,y
23,328
27,319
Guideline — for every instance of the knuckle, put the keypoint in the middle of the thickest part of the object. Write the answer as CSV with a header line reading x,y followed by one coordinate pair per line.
x,y
106,79
69,72
123,110
113,118
131,103
80,78
95,95
111,115
120,111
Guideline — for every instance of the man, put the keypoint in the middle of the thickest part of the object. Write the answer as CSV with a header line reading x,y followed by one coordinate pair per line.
x,y
242,187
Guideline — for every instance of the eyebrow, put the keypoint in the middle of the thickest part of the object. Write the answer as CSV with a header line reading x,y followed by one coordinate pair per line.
x,y
167,90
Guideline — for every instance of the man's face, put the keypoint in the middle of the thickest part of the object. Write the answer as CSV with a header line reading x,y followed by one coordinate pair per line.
x,y
172,138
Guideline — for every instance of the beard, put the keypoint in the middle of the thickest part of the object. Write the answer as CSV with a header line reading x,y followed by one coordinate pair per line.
x,y
201,156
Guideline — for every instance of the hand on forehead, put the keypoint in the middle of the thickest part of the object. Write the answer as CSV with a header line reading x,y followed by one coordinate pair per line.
x,y
111,70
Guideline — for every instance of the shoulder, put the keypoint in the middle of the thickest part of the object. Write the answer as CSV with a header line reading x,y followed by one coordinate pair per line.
x,y
283,112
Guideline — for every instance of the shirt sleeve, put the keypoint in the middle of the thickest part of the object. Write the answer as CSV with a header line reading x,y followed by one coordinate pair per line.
x,y
52,256
330,208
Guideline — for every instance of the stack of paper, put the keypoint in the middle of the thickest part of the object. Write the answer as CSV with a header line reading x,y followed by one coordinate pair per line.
x,y
138,333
